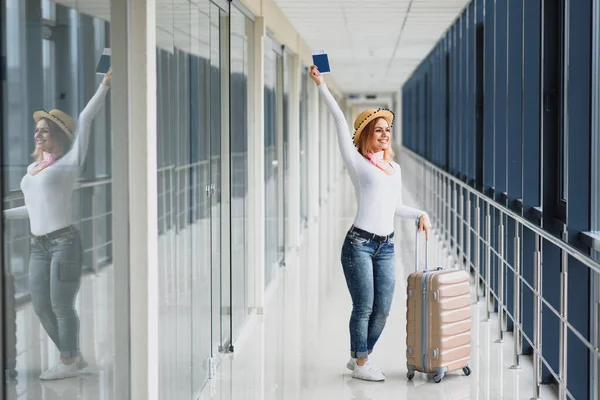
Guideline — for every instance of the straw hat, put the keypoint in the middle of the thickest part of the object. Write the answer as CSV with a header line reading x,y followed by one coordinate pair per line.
x,y
61,119
369,115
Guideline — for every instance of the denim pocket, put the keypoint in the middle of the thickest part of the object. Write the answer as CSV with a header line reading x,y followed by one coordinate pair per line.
x,y
66,239
69,270
67,253
356,240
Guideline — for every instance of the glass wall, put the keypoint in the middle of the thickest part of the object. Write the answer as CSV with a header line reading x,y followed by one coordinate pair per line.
x,y
273,124
203,127
56,200
241,30
304,147
287,112
194,293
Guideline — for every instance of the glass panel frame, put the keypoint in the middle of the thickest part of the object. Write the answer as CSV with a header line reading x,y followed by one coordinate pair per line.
x,y
595,193
3,300
241,53
281,141
273,164
595,189
201,253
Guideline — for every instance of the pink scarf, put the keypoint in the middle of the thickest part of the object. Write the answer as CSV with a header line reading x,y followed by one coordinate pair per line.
x,y
377,160
48,160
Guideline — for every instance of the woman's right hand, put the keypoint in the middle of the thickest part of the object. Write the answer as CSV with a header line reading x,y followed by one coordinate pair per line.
x,y
424,225
107,76
315,75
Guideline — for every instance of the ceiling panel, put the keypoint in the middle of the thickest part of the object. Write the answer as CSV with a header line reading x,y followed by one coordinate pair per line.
x,y
373,45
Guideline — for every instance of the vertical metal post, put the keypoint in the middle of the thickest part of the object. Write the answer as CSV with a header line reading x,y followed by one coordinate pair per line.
x,y
596,369
564,297
94,232
488,261
461,227
430,188
469,234
439,200
595,318
537,318
477,247
441,209
427,187
517,338
501,280
446,210
455,222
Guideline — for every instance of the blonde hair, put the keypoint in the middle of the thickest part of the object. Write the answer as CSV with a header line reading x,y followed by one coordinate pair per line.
x,y
59,135
365,138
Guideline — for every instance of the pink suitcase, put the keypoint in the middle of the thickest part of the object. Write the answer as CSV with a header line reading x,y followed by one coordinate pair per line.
x,y
438,321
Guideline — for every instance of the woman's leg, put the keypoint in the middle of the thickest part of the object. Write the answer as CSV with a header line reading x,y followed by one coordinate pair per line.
x,y
384,277
64,286
39,288
358,270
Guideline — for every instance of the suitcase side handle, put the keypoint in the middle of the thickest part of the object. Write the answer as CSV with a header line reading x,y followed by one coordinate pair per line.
x,y
417,250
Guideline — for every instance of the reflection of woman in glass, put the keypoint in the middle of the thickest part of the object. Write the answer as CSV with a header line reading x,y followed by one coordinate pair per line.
x,y
55,261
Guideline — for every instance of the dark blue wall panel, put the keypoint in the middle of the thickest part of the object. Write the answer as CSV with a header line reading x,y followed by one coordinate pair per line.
x,y
578,106
514,126
531,146
470,105
488,94
500,100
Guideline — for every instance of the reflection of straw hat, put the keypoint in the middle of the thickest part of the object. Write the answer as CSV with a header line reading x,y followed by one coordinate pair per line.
x,y
61,119
369,115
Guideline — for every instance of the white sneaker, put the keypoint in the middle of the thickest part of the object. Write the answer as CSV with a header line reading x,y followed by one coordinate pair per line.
x,y
368,372
82,364
351,364
63,371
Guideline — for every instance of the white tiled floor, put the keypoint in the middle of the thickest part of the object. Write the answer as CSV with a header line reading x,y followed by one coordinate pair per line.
x,y
299,348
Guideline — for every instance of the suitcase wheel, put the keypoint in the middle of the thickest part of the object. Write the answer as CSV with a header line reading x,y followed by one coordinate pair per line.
x,y
467,370
410,375
437,378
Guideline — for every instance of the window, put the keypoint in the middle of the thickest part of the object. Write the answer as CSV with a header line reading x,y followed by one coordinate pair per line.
x,y
51,56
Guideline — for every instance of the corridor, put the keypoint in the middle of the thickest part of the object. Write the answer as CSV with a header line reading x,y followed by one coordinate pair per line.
x,y
175,191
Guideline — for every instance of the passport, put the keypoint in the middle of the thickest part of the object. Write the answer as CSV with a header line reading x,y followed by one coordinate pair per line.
x,y
104,62
321,61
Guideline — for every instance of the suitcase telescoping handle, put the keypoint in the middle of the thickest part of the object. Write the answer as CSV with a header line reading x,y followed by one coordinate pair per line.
x,y
417,250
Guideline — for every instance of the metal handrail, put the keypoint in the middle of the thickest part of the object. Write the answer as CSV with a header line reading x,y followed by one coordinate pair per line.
x,y
574,252
445,196
17,194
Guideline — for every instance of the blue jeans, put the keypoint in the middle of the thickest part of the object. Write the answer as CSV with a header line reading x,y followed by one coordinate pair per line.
x,y
54,278
369,268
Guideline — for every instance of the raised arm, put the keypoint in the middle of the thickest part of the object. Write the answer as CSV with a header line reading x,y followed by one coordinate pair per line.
x,y
349,152
16,213
76,156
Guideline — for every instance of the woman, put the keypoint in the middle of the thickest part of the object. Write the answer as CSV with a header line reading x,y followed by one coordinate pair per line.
x,y
368,257
56,252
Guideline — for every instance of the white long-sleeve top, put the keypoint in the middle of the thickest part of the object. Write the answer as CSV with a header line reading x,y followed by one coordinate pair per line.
x,y
48,193
379,195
